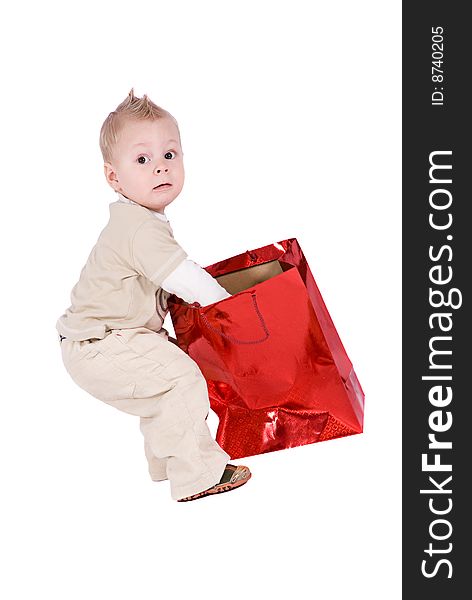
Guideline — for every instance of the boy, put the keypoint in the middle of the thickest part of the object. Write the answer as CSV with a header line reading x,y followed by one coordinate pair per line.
x,y
112,340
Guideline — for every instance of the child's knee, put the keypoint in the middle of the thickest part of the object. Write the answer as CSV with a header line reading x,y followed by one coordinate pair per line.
x,y
183,370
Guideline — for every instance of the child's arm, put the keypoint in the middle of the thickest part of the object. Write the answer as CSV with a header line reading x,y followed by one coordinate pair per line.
x,y
192,283
157,256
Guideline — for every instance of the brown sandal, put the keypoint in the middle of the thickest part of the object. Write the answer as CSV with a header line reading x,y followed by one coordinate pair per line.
x,y
233,477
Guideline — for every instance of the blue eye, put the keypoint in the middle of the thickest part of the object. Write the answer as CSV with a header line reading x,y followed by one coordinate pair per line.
x,y
139,159
167,154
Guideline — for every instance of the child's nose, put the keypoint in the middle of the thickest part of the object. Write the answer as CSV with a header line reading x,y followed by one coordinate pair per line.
x,y
159,170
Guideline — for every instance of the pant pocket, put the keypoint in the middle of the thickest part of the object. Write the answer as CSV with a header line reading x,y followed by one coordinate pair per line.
x,y
139,347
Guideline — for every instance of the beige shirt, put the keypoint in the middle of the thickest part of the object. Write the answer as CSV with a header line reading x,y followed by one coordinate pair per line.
x,y
188,281
120,285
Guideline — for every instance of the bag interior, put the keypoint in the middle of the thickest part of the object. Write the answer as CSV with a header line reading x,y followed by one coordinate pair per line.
x,y
241,280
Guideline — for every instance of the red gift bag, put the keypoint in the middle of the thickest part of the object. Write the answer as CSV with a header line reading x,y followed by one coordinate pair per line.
x,y
277,373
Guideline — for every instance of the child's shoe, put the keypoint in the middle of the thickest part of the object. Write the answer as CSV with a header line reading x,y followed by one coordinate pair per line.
x,y
233,477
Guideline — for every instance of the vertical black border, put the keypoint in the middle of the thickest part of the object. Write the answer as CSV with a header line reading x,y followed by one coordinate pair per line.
x,y
428,128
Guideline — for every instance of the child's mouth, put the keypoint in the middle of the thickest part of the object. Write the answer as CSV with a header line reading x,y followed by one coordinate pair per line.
x,y
162,186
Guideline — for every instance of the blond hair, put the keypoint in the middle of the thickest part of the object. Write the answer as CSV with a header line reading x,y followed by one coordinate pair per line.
x,y
139,109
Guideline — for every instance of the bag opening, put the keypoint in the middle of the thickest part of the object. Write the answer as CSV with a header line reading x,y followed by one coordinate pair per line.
x,y
243,279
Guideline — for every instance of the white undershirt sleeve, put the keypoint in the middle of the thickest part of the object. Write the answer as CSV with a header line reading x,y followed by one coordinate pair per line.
x,y
192,283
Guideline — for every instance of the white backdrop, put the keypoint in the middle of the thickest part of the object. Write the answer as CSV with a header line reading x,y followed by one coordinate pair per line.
x,y
290,120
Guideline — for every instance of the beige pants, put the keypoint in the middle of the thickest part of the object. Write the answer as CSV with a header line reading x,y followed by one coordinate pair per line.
x,y
141,373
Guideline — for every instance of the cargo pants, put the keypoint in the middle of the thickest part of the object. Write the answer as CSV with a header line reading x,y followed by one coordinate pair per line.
x,y
142,373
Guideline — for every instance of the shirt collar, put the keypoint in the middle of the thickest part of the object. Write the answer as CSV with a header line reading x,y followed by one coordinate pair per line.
x,y
160,216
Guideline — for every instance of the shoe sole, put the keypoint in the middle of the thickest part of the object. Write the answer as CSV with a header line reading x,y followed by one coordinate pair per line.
x,y
219,489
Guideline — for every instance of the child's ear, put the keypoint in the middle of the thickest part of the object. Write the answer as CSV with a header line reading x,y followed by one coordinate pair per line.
x,y
110,174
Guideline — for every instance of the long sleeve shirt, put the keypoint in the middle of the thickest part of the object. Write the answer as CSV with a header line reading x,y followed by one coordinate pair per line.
x,y
121,284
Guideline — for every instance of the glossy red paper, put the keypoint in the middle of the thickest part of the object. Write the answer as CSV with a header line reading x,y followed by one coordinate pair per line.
x,y
277,373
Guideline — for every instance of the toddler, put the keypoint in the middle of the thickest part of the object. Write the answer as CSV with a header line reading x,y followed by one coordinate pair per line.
x,y
112,338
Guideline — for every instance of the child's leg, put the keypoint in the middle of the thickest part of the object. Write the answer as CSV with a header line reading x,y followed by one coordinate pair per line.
x,y
157,466
139,372
177,428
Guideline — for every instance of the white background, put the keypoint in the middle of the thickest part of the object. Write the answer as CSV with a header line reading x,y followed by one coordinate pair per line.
x,y
290,120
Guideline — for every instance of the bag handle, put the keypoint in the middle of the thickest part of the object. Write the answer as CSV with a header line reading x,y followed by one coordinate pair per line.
x,y
232,339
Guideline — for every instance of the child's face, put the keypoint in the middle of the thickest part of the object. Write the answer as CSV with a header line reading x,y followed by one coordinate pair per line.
x,y
147,154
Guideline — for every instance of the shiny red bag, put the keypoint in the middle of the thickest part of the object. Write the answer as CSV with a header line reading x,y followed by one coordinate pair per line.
x,y
277,373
